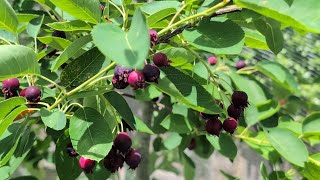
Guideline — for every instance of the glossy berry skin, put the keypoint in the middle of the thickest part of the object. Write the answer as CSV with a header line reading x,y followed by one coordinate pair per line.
x,y
33,94
234,111
153,37
160,60
214,127
136,80
151,73
212,60
59,34
230,125
122,142
12,84
133,159
86,164
239,99
240,64
208,116
113,161
23,92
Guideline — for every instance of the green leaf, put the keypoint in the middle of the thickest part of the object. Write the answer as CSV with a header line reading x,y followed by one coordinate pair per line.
x,y
34,26
228,176
76,25
288,122
25,178
83,68
288,145
8,105
84,10
179,56
8,18
156,6
223,38
176,123
55,42
188,91
312,167
224,144
5,122
70,51
90,134
254,39
271,30
311,124
297,13
172,141
130,48
205,149
24,18
7,36
263,171
67,167
188,167
16,60
158,16
54,119
99,172
142,127
279,74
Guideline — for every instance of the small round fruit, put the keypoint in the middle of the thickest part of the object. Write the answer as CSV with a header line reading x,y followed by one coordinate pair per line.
x,y
123,142
151,73
234,111
71,151
214,127
113,161
119,84
86,164
239,99
59,34
102,7
153,37
240,64
33,94
160,59
12,84
230,125
136,79
23,92
133,159
212,60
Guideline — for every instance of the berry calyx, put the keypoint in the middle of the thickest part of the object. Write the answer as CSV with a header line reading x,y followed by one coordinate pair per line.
x,y
151,73
240,64
86,164
160,59
136,80
113,161
212,60
119,84
33,94
153,37
12,84
133,159
230,125
59,34
234,111
239,99
214,127
123,142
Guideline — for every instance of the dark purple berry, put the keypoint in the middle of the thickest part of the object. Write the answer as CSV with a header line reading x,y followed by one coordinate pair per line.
x,y
153,37
151,73
102,7
212,60
59,34
133,159
119,84
10,94
12,84
239,99
160,59
214,127
123,142
234,111
86,164
113,161
33,94
230,125
208,116
71,151
240,64
192,144
120,78
136,79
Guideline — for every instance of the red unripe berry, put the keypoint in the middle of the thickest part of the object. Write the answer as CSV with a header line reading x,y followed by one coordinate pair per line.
x,y
160,59
234,111
214,127
86,164
23,92
212,60
133,159
151,73
102,7
136,80
12,84
240,64
239,99
33,94
230,125
123,142
153,37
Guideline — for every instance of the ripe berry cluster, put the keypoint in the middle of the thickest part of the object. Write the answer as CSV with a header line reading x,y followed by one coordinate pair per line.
x,y
11,86
121,152
214,125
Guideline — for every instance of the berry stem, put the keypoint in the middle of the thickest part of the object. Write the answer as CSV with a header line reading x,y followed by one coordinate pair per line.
x,y
178,12
52,82
97,80
260,142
